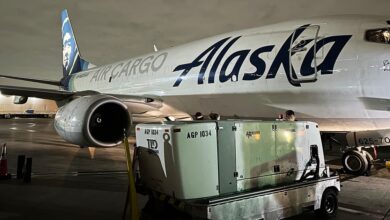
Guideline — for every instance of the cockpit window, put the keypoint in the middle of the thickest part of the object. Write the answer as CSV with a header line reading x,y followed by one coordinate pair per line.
x,y
378,35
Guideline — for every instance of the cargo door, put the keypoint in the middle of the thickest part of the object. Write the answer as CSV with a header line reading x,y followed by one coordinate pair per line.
x,y
255,153
304,51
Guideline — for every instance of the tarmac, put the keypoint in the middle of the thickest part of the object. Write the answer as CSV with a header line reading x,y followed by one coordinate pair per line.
x,y
69,182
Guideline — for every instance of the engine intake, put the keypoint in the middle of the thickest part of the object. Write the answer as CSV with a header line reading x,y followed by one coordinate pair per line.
x,y
97,120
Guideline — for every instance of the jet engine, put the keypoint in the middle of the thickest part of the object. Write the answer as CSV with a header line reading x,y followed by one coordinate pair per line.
x,y
96,120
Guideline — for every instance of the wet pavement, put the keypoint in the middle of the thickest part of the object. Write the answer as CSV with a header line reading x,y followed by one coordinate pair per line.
x,y
69,182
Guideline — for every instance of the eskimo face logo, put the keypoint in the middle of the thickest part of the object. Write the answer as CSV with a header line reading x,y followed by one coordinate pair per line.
x,y
66,50
69,47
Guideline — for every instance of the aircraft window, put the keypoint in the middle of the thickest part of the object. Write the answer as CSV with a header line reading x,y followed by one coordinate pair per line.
x,y
378,35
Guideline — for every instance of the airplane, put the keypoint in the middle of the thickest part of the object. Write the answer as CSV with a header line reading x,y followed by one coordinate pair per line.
x,y
332,70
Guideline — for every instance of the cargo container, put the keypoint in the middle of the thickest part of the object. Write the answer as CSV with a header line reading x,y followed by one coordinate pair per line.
x,y
249,169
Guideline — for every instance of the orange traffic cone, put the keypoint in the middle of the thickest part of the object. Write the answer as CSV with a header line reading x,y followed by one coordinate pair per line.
x,y
3,164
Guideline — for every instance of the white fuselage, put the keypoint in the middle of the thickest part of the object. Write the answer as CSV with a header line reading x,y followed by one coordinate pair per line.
x,y
346,91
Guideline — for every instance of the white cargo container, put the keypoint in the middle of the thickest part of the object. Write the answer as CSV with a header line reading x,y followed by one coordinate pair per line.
x,y
177,158
179,171
237,169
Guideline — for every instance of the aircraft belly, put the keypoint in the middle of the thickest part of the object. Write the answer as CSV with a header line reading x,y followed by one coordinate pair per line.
x,y
349,115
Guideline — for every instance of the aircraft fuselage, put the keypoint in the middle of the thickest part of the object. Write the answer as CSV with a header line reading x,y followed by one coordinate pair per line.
x,y
323,69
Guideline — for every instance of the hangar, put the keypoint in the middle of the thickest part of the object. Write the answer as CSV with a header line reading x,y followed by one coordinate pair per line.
x,y
33,107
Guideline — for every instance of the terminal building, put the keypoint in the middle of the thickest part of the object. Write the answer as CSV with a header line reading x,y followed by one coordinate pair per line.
x,y
34,107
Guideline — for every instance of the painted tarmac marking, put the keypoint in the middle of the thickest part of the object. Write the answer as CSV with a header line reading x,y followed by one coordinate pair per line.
x,y
31,124
81,173
354,211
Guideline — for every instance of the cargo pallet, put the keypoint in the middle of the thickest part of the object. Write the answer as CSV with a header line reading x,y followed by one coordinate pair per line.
x,y
274,203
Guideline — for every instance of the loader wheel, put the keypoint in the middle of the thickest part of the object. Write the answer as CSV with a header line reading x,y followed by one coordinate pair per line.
x,y
370,160
354,162
329,204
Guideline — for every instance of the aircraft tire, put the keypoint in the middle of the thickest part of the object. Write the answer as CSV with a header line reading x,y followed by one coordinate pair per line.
x,y
355,162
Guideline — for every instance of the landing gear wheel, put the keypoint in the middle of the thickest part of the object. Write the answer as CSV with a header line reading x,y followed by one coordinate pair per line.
x,y
354,162
329,204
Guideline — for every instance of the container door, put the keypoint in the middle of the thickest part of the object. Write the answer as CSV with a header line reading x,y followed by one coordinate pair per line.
x,y
226,157
286,140
255,151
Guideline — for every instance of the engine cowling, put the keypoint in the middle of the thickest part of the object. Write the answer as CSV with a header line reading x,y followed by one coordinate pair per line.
x,y
96,120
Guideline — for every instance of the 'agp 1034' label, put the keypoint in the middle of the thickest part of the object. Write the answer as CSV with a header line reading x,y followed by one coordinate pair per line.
x,y
200,134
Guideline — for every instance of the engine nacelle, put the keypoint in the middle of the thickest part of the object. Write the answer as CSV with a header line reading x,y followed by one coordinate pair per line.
x,y
96,120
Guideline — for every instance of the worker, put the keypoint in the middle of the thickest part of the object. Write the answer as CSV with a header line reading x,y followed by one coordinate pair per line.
x,y
214,116
198,116
290,115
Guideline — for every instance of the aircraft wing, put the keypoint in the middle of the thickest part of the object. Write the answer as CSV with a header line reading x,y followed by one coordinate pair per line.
x,y
59,95
48,82
56,95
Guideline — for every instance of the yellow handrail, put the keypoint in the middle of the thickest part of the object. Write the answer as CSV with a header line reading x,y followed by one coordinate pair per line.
x,y
132,194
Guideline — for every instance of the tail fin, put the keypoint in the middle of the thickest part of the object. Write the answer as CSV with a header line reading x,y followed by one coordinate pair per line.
x,y
71,59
